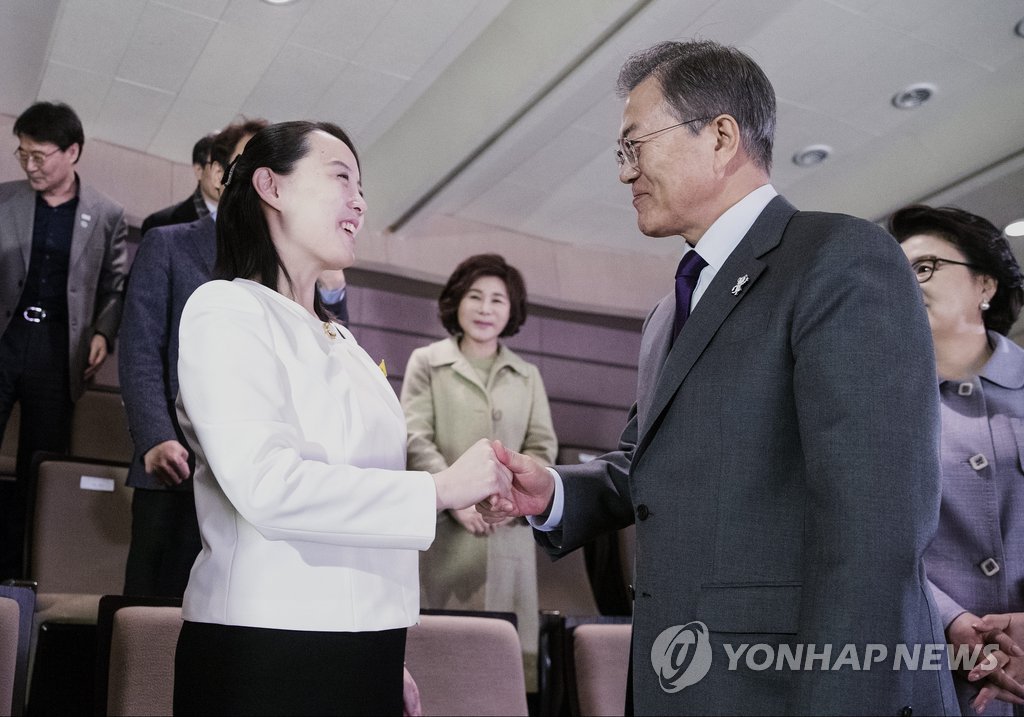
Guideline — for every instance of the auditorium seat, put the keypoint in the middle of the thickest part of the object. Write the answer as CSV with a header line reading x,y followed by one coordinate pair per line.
x,y
99,429
24,598
79,531
141,670
599,666
467,665
9,444
10,619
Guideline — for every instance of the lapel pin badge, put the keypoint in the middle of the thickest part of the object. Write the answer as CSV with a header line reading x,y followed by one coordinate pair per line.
x,y
739,284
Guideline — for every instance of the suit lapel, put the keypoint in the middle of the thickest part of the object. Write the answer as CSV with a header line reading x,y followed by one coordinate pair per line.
x,y
86,219
711,312
654,347
22,217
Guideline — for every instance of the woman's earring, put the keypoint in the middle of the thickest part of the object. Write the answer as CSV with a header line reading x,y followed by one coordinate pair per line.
x,y
985,306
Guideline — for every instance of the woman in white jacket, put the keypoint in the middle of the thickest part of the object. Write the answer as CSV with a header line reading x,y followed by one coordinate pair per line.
x,y
311,526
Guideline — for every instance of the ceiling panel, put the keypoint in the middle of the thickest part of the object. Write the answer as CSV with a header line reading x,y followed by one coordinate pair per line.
x,y
80,88
146,106
94,34
205,8
164,47
290,88
411,33
355,98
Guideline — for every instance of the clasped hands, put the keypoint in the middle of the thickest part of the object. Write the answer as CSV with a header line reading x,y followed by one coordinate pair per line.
x,y
501,483
1000,674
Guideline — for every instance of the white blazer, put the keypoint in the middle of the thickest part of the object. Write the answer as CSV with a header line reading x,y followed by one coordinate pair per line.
x,y
308,519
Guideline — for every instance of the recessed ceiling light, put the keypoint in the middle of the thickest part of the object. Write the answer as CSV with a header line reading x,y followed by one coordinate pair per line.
x,y
913,96
1015,229
1019,29
280,2
811,155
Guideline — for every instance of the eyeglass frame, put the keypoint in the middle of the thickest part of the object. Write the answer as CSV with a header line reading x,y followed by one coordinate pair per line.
x,y
39,158
629,146
935,261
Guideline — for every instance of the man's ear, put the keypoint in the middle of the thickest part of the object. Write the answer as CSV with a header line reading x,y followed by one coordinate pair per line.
x,y
265,183
727,138
197,169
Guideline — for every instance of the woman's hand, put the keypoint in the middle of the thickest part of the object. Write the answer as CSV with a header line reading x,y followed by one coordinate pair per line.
x,y
476,476
472,521
411,706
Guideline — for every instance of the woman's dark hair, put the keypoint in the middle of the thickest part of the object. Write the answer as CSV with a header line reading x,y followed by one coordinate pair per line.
x,y
244,247
462,279
984,246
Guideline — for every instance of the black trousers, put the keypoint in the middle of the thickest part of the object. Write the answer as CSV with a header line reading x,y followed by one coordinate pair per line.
x,y
33,373
165,543
230,670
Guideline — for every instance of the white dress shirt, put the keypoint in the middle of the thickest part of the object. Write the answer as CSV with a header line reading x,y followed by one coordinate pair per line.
x,y
308,519
718,242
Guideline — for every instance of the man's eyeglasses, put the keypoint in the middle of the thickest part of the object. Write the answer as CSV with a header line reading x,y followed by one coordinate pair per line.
x,y
36,158
924,268
628,150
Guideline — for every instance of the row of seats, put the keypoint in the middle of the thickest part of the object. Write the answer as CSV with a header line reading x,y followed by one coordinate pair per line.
x,y
79,535
450,655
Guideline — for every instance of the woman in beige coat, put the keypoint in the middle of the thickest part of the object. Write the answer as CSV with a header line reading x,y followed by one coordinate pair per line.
x,y
459,390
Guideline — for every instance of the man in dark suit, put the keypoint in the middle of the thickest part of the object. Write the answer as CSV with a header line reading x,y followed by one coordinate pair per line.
x,y
171,263
62,266
780,462
203,200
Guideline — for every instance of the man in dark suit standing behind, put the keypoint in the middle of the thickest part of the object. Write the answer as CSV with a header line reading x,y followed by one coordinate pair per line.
x,y
780,462
203,200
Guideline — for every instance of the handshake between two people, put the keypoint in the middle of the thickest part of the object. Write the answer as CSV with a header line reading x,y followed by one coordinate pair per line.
x,y
501,483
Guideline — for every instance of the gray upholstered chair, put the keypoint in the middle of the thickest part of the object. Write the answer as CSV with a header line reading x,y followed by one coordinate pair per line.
x,y
600,666
467,665
141,675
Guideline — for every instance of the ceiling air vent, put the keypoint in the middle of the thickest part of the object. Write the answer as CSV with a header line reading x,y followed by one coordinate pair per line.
x,y
811,155
913,96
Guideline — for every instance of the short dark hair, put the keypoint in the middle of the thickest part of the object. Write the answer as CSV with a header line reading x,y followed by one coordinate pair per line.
x,y
53,122
201,150
984,246
462,279
703,79
244,246
225,140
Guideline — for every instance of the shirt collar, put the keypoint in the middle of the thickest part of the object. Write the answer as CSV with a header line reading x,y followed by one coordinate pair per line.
x,y
725,234
1006,366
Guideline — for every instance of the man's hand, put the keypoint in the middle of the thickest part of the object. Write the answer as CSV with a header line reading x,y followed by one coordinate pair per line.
x,y
97,355
168,461
532,489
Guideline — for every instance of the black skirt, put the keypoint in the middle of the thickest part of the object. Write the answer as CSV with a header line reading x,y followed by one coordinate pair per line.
x,y
231,670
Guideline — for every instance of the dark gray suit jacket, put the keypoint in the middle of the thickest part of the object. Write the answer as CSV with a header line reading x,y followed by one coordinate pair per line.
x,y
781,464
96,270
172,262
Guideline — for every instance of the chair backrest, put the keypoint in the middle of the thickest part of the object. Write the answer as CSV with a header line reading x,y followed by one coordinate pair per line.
x,y
99,429
141,678
10,627
9,443
80,526
467,665
24,600
600,666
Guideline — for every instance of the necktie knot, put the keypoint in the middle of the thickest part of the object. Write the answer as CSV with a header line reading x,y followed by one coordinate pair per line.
x,y
687,274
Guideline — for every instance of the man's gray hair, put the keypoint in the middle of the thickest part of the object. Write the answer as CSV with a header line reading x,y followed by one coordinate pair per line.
x,y
703,79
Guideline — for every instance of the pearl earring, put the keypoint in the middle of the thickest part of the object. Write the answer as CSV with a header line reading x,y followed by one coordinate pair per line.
x,y
985,306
